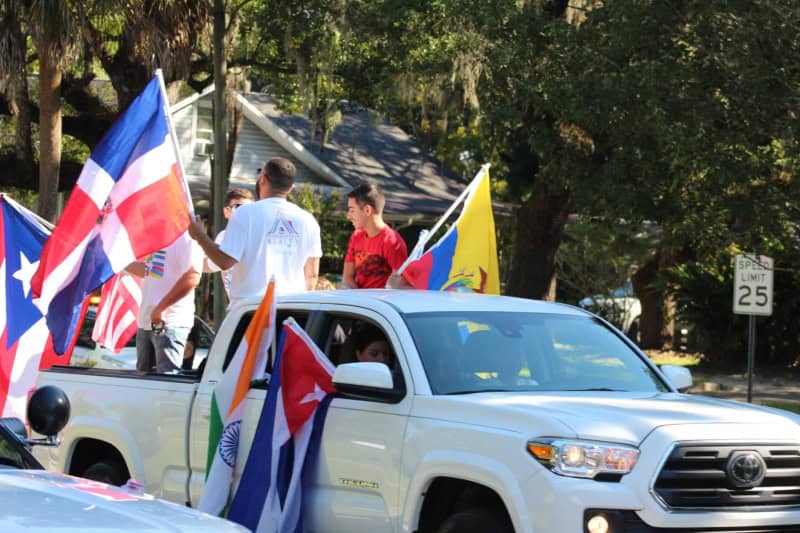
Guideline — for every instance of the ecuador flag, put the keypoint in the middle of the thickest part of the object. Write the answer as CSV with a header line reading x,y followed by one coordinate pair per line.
x,y
465,258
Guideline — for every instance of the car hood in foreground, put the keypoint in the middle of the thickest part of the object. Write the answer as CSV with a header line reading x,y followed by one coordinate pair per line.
x,y
37,500
615,416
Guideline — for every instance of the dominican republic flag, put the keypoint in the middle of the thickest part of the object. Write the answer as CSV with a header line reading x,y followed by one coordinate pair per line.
x,y
465,258
118,310
228,403
269,497
130,200
23,332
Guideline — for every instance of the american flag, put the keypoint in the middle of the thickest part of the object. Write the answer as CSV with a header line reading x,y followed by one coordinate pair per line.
x,y
118,310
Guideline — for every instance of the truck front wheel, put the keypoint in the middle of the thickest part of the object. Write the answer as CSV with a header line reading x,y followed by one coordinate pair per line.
x,y
475,521
106,471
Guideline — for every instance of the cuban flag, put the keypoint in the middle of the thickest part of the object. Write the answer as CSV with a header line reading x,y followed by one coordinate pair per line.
x,y
24,336
270,497
130,200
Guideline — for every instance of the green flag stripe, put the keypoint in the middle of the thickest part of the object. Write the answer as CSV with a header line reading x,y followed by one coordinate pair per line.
x,y
214,432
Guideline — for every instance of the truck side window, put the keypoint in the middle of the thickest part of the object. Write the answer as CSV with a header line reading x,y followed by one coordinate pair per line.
x,y
85,333
335,346
300,316
237,337
346,333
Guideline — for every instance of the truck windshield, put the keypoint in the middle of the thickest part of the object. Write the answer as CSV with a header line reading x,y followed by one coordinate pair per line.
x,y
465,352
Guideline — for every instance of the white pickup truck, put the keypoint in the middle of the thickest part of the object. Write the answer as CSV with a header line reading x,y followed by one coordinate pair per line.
x,y
499,414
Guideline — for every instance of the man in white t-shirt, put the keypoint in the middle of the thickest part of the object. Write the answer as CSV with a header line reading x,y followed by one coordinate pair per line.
x,y
166,312
271,237
234,199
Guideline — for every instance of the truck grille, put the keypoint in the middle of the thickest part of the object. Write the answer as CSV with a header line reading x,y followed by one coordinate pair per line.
x,y
730,476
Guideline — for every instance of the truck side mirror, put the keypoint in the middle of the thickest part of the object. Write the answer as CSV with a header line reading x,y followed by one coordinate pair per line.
x,y
48,411
366,381
679,377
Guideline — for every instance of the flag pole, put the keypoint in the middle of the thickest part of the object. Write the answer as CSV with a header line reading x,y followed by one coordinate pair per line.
x,y
421,243
174,138
19,207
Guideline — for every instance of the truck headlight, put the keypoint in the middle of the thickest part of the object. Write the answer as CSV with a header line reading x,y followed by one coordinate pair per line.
x,y
580,458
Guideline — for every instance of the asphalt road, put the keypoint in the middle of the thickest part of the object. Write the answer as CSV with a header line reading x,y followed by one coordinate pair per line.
x,y
734,387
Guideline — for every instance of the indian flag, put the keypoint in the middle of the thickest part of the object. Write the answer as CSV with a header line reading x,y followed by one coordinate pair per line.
x,y
228,402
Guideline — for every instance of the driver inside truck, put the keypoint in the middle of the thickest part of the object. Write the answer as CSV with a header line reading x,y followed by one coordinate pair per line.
x,y
371,345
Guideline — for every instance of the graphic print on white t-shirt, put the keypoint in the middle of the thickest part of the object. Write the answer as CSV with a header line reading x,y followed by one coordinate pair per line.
x,y
162,270
154,266
283,235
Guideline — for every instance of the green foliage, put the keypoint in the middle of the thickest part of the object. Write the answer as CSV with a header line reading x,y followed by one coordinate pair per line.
x,y
598,257
328,209
704,291
24,197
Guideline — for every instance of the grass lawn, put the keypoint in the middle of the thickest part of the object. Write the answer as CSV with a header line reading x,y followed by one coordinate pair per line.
x,y
661,357
788,406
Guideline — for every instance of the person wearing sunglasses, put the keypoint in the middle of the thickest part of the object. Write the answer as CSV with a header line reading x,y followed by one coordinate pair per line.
x,y
268,238
234,198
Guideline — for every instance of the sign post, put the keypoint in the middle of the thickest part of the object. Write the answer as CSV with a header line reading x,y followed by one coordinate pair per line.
x,y
752,295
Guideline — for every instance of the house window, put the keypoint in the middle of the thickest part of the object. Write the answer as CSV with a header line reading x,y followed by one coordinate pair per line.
x,y
204,131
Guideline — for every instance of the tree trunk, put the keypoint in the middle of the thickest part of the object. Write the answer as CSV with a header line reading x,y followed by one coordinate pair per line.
x,y
657,322
49,132
23,145
540,226
20,107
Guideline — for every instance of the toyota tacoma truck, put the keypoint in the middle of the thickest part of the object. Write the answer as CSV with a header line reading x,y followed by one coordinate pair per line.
x,y
496,414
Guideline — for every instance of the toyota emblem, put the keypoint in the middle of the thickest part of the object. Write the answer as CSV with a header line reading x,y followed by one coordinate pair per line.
x,y
746,469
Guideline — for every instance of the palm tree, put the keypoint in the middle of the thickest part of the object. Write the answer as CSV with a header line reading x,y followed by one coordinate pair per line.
x,y
52,25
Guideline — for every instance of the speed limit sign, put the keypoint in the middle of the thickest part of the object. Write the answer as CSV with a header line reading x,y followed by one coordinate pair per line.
x,y
752,285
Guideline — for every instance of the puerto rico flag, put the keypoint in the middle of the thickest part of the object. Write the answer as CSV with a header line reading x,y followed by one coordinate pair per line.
x,y
130,200
270,497
23,331
117,313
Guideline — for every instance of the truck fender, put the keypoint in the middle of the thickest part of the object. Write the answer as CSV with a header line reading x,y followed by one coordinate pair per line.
x,y
475,468
106,431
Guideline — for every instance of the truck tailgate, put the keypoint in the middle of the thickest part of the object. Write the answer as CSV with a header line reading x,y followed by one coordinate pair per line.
x,y
143,416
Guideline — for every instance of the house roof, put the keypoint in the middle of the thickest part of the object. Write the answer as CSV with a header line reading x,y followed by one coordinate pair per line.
x,y
363,148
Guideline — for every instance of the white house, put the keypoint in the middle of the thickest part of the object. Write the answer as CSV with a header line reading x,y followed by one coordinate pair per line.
x,y
416,186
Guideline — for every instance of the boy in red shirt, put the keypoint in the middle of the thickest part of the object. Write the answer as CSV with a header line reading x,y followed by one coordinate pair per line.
x,y
375,250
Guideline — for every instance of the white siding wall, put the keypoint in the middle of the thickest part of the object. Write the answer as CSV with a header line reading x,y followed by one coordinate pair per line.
x,y
253,148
